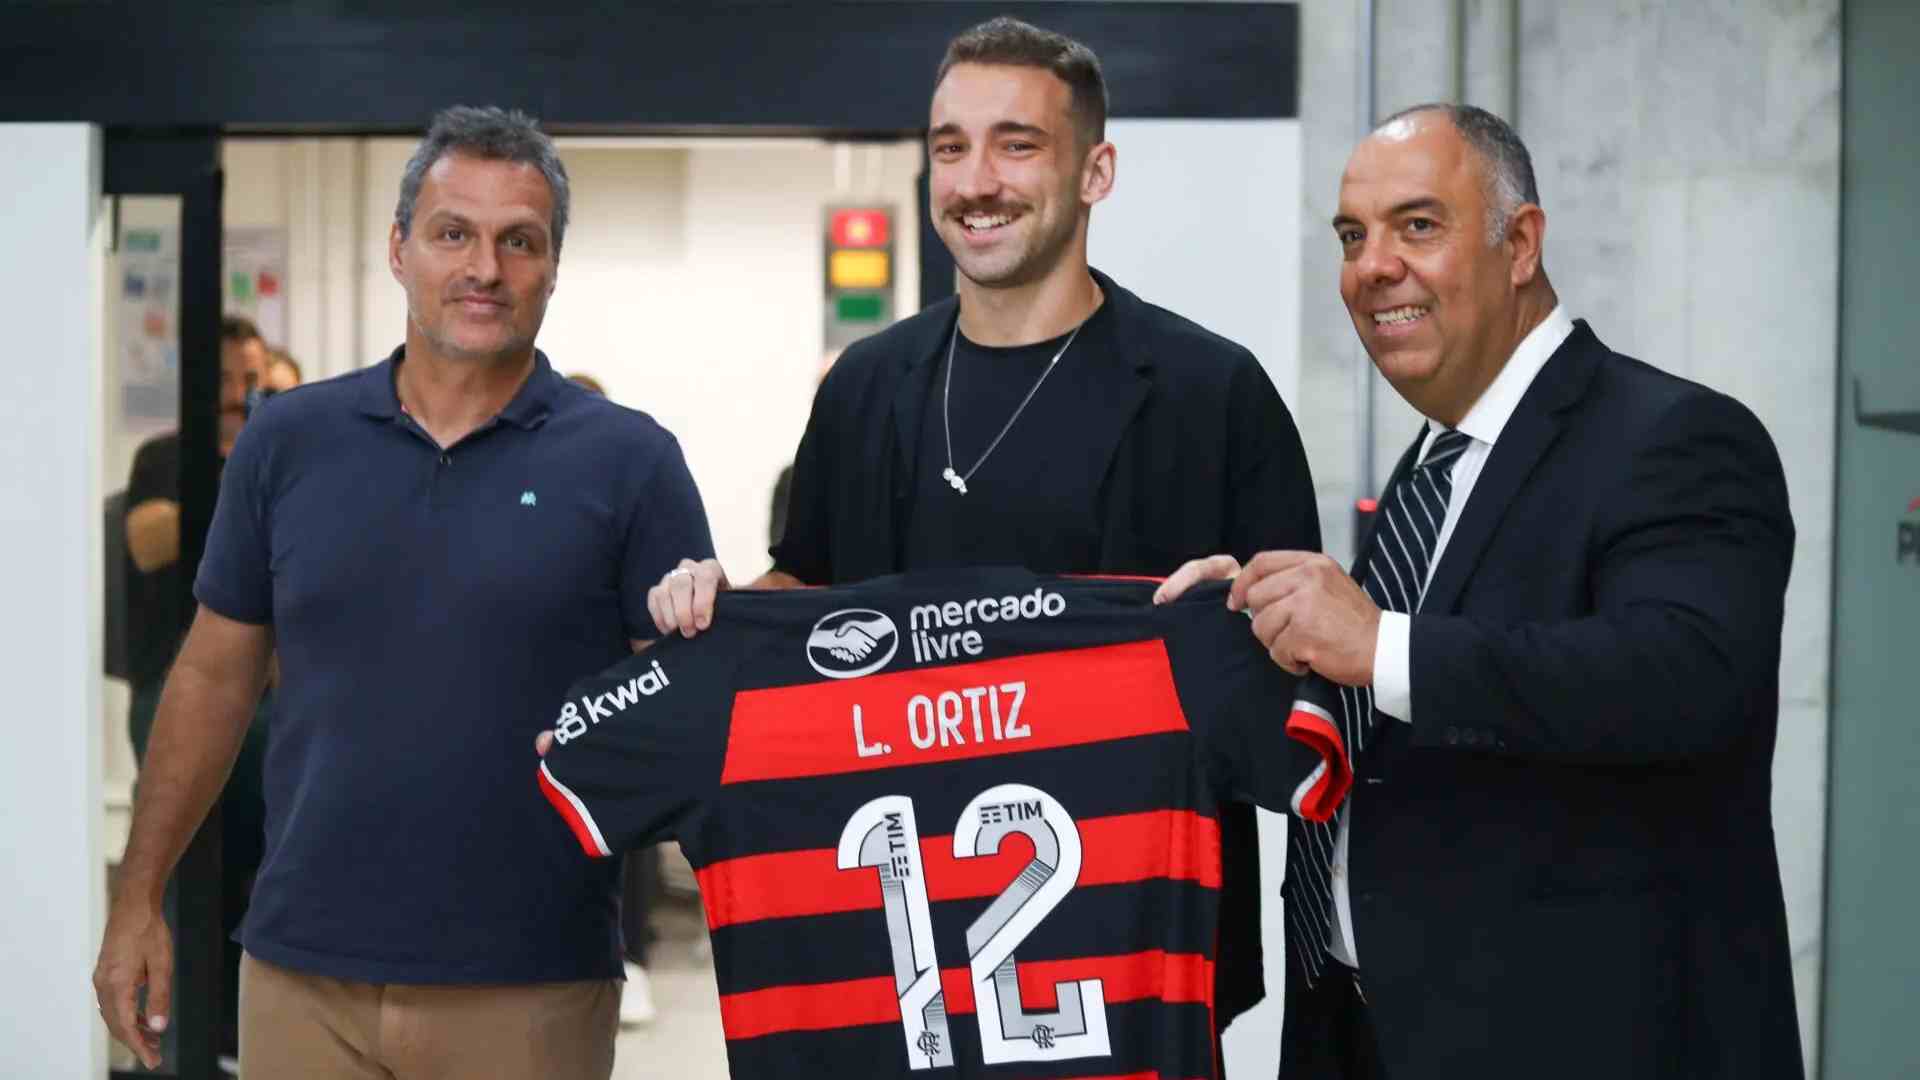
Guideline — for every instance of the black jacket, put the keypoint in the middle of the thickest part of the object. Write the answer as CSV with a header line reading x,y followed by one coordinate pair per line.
x,y
1195,452
1564,865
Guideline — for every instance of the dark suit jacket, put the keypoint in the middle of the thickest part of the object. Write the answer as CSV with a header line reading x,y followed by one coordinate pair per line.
x,y
1564,866
1194,453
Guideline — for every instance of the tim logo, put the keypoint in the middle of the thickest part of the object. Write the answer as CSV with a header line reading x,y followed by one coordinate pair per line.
x,y
851,643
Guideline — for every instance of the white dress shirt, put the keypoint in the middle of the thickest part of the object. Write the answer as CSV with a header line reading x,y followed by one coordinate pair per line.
x,y
1392,660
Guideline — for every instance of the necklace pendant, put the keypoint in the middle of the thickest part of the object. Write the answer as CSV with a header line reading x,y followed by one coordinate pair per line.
x,y
954,479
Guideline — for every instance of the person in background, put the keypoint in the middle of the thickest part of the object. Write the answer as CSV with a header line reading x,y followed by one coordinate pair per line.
x,y
283,372
1044,417
1561,656
437,546
156,621
639,886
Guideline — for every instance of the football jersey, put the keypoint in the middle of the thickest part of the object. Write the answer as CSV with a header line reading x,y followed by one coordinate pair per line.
x,y
958,824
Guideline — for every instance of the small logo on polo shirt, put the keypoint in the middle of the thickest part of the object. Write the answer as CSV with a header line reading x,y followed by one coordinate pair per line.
x,y
528,498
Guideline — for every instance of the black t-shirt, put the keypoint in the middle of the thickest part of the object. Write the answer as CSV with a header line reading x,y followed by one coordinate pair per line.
x,y
1031,503
1060,748
156,602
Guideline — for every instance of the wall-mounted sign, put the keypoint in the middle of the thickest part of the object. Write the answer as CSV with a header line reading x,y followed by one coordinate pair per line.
x,y
859,273
148,337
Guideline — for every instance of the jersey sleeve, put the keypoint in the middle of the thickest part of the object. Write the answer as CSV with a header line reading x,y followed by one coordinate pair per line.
x,y
639,747
1269,737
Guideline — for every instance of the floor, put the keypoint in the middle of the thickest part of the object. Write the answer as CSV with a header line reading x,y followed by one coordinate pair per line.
x,y
684,1041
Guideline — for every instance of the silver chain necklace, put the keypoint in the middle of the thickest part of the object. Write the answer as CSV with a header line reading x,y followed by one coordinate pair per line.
x,y
958,480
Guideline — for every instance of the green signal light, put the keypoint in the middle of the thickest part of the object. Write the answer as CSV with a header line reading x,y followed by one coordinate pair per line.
x,y
860,308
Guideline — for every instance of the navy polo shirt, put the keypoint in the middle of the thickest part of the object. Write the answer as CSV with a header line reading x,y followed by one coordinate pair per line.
x,y
429,607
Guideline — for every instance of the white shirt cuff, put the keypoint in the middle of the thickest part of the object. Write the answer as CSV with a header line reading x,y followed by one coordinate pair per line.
x,y
1393,666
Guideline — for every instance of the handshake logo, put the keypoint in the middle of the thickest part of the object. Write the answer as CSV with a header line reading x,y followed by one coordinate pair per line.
x,y
850,643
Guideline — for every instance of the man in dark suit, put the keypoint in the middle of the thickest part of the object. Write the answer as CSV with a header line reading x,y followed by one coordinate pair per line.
x,y
1555,667
1045,416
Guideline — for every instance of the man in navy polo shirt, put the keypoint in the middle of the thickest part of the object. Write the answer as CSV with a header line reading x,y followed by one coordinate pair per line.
x,y
437,546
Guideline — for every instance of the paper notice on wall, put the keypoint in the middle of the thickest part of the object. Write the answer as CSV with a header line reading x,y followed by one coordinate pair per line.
x,y
254,260
149,334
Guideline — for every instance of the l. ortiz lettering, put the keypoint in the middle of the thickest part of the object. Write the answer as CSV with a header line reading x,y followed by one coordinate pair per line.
x,y
943,631
988,713
572,725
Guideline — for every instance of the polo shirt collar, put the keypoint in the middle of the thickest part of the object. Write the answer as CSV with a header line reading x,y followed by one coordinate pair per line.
x,y
380,398
531,406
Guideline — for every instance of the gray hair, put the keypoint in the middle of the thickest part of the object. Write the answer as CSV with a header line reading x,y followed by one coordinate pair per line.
x,y
1505,163
492,134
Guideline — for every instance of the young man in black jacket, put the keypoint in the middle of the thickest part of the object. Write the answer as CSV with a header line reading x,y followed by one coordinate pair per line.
x,y
1045,416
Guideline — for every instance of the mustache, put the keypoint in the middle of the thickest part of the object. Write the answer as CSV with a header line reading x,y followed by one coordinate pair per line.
x,y
974,206
476,291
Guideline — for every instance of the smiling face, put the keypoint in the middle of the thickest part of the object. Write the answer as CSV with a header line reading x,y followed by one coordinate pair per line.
x,y
1438,309
1010,184
479,263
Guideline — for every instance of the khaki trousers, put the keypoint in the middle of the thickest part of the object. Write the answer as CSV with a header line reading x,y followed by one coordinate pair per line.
x,y
295,1026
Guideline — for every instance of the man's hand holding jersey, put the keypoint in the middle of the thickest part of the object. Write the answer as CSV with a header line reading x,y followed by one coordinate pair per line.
x,y
682,602
683,599
1308,611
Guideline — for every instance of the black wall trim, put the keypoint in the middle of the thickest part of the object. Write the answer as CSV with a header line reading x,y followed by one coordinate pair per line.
x,y
832,65
186,164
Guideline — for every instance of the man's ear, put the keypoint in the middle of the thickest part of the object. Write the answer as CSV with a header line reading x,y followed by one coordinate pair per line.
x,y
1096,173
396,240
1526,235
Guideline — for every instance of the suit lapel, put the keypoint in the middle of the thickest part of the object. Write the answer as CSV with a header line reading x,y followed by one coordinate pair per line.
x,y
1530,432
1105,377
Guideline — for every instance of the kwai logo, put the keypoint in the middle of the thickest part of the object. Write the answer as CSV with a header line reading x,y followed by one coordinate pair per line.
x,y
853,642
572,724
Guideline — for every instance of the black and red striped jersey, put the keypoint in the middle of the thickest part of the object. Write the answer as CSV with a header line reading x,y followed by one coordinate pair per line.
x,y
961,823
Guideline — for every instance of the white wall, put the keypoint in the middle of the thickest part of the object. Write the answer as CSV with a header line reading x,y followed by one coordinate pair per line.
x,y
50,439
314,190
1200,222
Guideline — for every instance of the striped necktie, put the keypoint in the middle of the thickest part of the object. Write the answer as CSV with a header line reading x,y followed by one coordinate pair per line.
x,y
1395,577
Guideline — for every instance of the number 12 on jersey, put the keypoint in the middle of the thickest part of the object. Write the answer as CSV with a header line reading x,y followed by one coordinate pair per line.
x,y
884,836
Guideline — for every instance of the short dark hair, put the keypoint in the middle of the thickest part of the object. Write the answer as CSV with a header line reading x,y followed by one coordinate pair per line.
x,y
1007,40
238,329
1508,166
492,134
